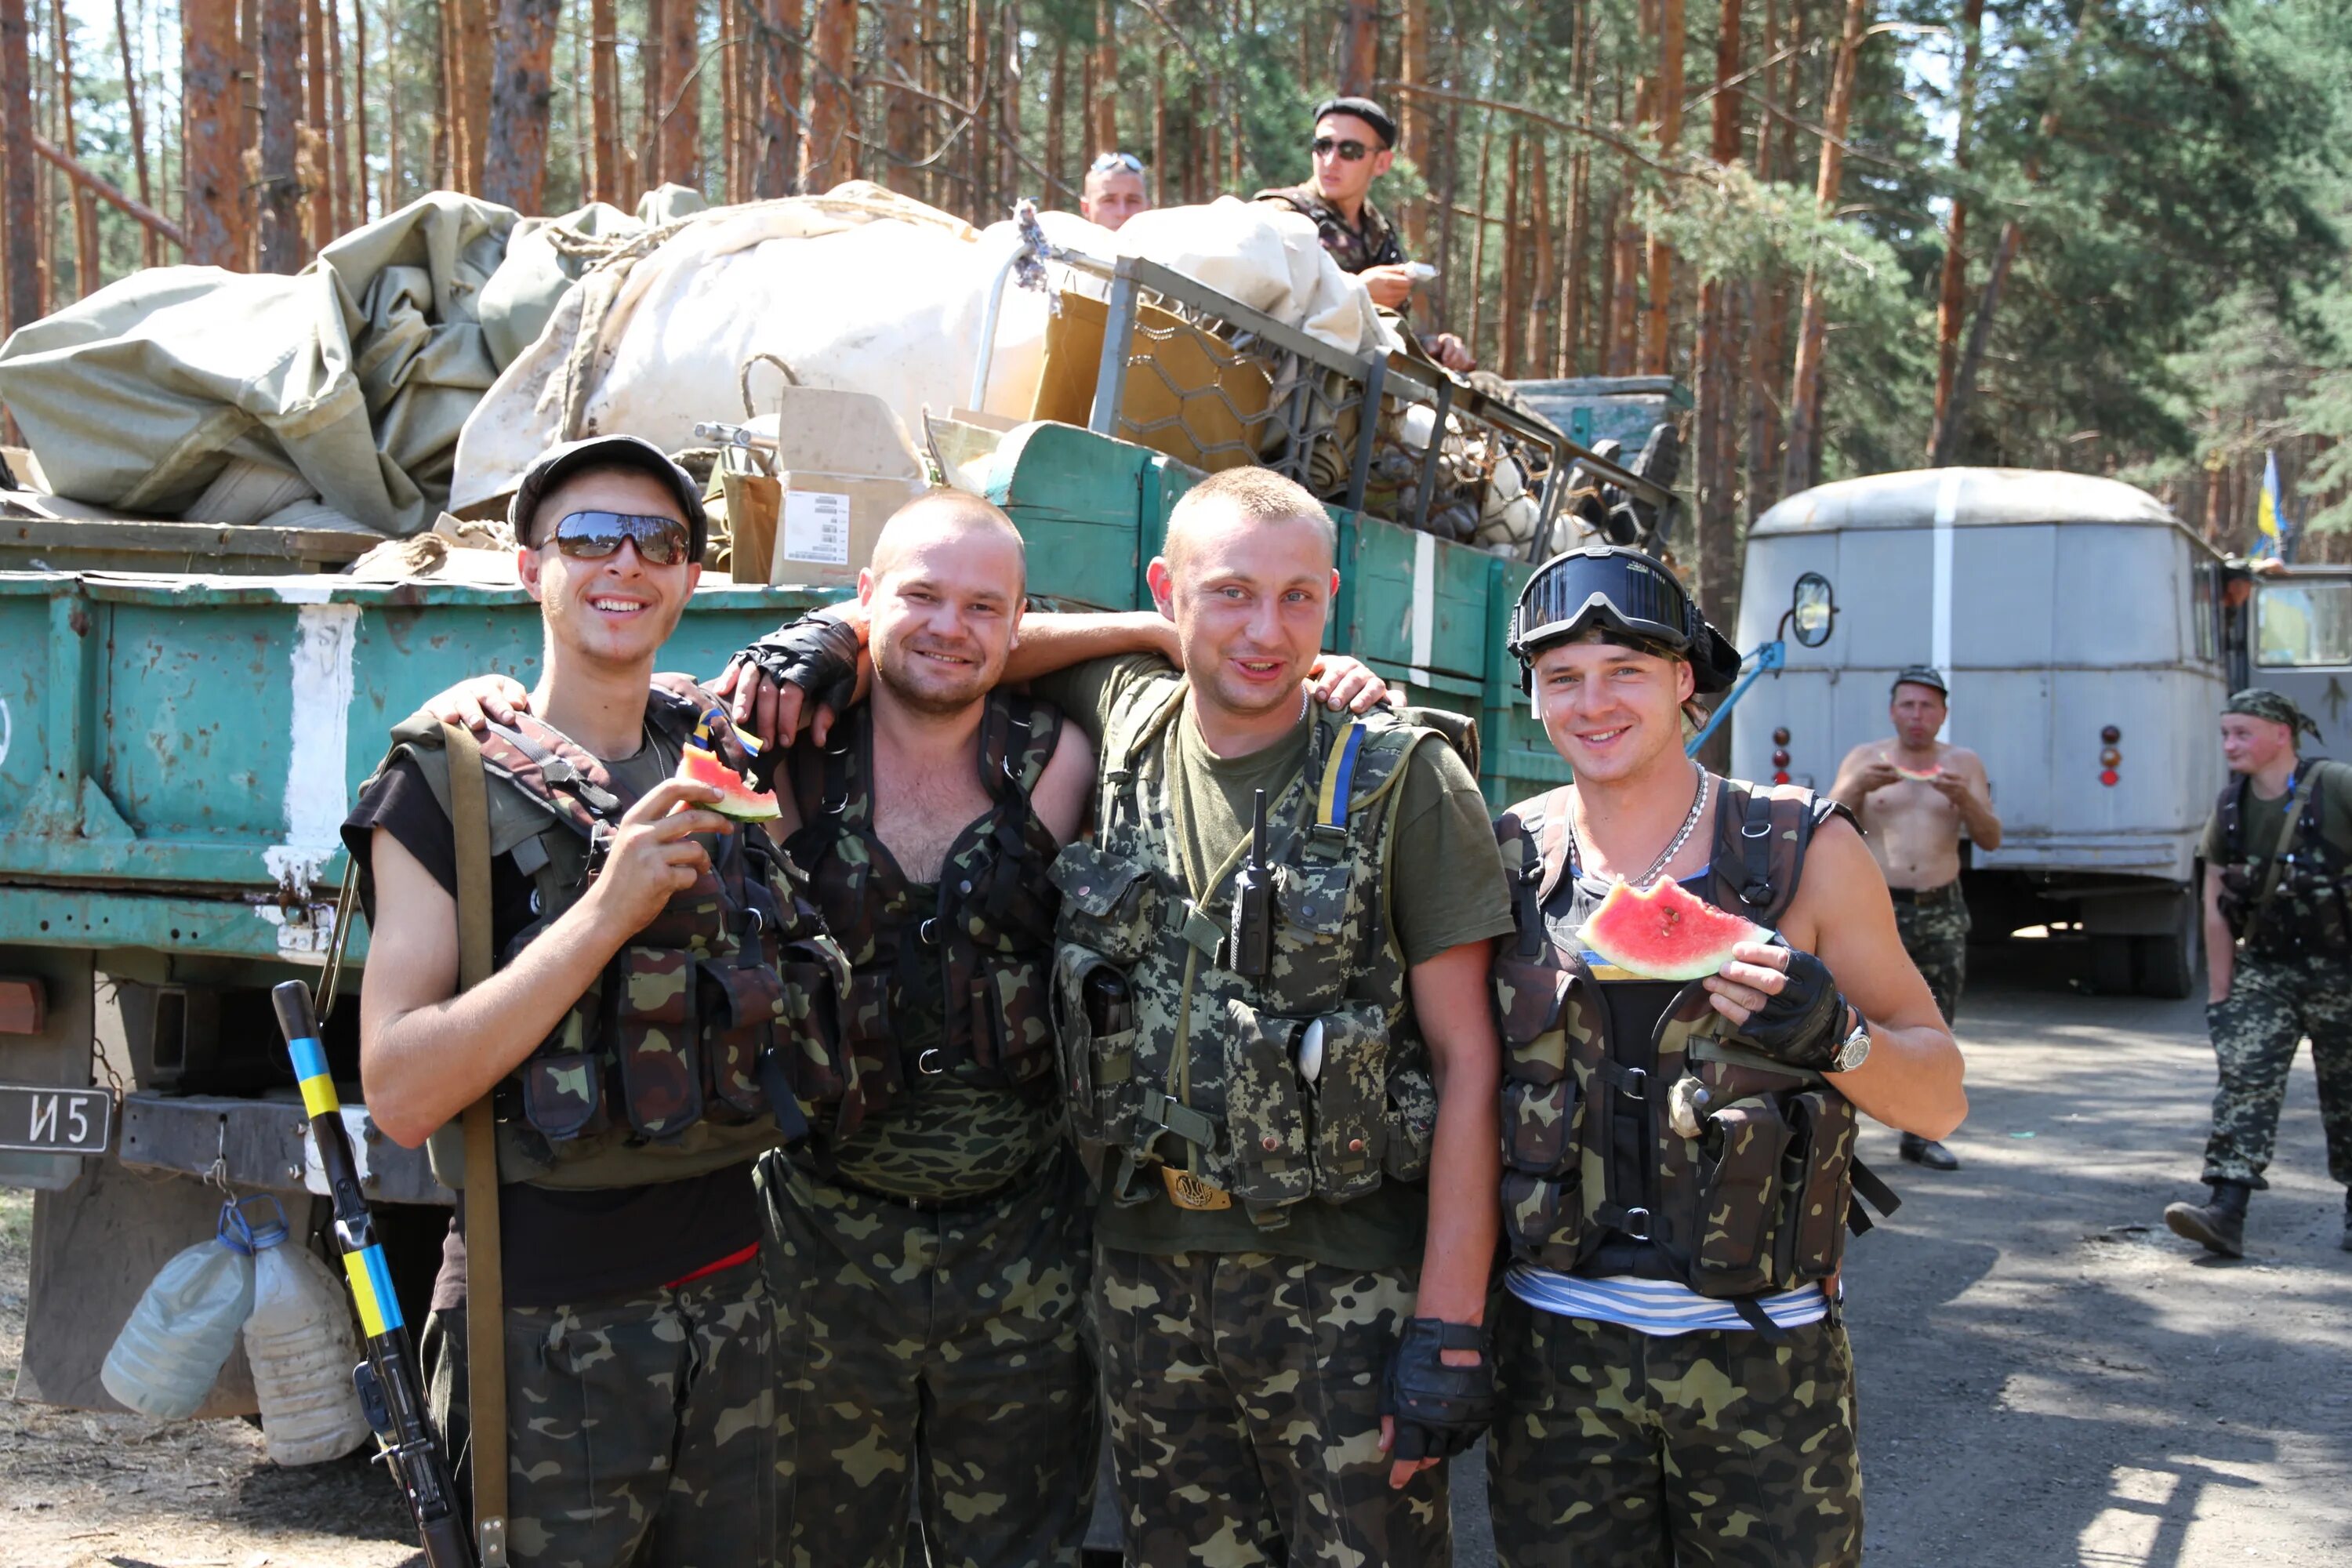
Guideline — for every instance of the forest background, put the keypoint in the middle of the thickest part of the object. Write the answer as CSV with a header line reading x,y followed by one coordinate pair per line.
x,y
2106,235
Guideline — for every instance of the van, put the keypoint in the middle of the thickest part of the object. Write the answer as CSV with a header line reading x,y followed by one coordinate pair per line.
x,y
2083,630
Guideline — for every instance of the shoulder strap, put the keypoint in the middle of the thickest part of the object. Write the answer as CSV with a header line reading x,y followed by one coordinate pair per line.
x,y
1760,839
2232,807
1552,846
469,820
2288,835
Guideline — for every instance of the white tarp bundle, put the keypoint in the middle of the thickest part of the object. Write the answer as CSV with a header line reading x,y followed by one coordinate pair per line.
x,y
859,291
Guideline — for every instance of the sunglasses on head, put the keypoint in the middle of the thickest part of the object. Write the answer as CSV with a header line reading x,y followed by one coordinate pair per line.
x,y
594,535
1351,151
1108,162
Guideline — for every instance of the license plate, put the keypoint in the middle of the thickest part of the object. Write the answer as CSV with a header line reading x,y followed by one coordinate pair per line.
x,y
49,1120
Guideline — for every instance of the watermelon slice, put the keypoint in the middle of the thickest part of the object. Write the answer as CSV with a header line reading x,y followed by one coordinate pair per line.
x,y
1664,933
737,798
1922,775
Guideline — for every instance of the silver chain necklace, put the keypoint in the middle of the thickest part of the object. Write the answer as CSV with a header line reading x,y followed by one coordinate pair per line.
x,y
1666,857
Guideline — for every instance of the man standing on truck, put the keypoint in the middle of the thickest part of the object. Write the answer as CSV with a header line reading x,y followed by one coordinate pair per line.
x,y
1114,190
2278,956
638,1337
1289,1304
1677,1384
1915,794
1355,144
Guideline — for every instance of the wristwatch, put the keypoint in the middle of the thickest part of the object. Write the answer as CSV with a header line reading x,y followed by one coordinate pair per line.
x,y
1855,1048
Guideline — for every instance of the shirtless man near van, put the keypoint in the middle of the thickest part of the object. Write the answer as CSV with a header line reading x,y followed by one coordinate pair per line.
x,y
1913,793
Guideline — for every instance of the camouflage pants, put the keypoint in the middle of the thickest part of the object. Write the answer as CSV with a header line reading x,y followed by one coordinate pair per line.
x,y
639,1430
1718,1449
1935,930
1245,1414
2274,1003
932,1359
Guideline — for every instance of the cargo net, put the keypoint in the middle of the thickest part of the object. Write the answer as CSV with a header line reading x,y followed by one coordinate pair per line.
x,y
1216,397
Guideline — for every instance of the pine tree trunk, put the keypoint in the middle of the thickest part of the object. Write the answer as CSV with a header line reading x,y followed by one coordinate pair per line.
x,y
1951,295
1798,468
1058,131
360,212
1105,108
902,111
19,188
521,95
321,191
131,98
779,102
1658,334
607,183
1717,399
1510,320
392,170
730,111
1478,241
338,176
472,99
281,115
1568,361
977,83
1360,46
212,218
1414,120
681,94
647,172
832,115
1543,288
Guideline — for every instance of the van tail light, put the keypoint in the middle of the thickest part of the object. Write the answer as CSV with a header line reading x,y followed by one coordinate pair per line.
x,y
1781,755
2110,756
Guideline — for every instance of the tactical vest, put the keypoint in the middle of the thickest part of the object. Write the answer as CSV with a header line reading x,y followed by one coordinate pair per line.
x,y
991,933
2306,915
1206,1078
1741,1178
653,1073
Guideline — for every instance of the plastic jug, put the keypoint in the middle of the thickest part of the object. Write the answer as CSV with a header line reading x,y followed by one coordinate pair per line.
x,y
299,1339
179,1335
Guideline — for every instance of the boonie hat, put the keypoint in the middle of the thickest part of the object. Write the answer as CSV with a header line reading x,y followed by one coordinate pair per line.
x,y
1921,675
557,464
1365,110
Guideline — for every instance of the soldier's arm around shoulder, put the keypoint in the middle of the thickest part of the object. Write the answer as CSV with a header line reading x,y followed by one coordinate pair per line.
x,y
1843,916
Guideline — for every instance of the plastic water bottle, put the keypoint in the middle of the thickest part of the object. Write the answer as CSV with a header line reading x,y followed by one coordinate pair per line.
x,y
299,1338
181,1332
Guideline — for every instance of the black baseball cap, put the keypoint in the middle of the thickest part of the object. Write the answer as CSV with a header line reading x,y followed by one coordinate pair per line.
x,y
1365,110
1920,675
557,464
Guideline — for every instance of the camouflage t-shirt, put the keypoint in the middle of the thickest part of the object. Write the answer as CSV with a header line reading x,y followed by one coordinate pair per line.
x,y
1371,241
953,1136
1442,846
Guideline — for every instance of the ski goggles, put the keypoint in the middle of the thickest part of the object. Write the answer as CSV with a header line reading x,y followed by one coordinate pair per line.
x,y
1349,151
1611,588
596,535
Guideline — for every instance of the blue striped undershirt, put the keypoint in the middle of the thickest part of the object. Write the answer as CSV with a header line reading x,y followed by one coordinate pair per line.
x,y
1659,1308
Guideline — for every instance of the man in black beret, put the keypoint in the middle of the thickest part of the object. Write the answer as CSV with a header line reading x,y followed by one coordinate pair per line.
x,y
1355,143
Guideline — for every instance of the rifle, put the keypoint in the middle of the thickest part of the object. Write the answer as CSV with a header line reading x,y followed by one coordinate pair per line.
x,y
391,1384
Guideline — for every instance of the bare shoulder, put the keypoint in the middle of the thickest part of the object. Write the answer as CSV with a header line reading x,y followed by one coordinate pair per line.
x,y
1841,883
1963,760
1866,751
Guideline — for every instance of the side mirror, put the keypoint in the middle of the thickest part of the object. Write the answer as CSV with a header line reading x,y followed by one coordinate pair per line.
x,y
1813,610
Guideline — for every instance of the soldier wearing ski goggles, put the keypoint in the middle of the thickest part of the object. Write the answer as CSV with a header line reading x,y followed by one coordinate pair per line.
x,y
1678,1155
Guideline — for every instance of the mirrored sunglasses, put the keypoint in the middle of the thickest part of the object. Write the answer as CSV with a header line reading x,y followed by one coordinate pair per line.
x,y
594,535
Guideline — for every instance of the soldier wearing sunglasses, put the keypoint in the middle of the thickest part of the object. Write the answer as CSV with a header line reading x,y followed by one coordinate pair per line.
x,y
647,955
1355,144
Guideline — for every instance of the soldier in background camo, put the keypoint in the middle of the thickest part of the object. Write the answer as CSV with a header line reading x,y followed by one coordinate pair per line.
x,y
2278,955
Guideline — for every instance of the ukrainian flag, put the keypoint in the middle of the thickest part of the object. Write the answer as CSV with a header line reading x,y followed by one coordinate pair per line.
x,y
2269,518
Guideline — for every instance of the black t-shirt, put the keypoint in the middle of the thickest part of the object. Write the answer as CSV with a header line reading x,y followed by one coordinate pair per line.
x,y
559,1246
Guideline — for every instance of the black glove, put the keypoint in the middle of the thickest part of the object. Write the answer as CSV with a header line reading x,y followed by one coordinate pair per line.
x,y
1440,1410
818,653
1804,1022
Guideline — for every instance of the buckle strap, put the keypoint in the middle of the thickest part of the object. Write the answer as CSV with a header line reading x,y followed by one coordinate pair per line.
x,y
1162,1109
1187,921
1633,1083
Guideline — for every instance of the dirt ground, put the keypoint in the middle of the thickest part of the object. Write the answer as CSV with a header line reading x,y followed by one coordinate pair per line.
x,y
2048,1376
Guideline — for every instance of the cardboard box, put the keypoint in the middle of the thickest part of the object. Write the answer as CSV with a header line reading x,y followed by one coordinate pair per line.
x,y
844,463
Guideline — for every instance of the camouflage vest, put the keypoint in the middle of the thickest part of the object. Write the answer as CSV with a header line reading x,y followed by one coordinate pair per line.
x,y
991,933
2307,913
1740,1178
1370,242
1207,1080
653,1073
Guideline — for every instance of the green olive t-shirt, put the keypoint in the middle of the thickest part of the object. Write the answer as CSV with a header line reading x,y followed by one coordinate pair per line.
x,y
1440,847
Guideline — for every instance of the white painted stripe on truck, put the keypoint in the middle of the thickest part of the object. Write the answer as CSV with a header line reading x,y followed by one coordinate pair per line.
x,y
1939,635
1425,596
317,791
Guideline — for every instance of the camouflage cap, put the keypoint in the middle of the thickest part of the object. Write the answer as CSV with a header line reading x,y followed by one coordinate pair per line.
x,y
2261,703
